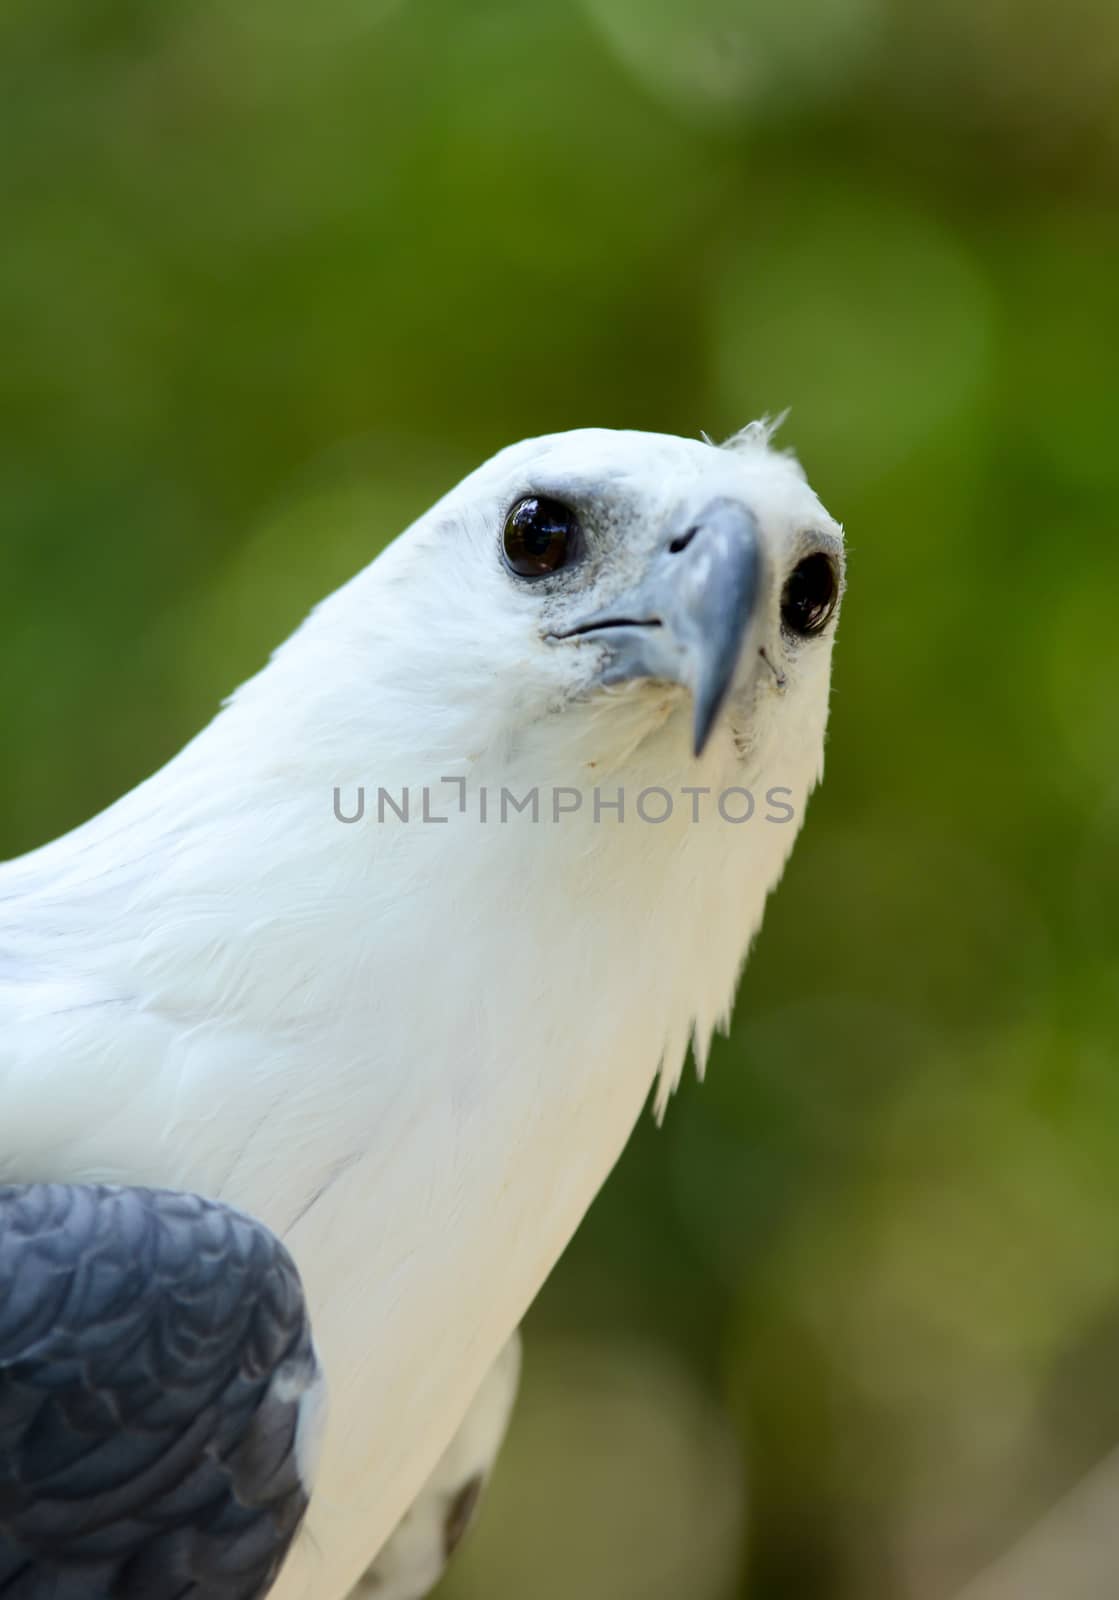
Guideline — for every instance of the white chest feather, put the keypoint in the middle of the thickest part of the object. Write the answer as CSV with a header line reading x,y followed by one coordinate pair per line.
x,y
421,1088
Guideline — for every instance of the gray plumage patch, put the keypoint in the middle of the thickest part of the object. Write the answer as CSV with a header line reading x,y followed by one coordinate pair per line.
x,y
460,1514
154,1351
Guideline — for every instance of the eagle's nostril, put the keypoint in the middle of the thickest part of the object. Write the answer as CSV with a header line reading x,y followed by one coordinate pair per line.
x,y
682,541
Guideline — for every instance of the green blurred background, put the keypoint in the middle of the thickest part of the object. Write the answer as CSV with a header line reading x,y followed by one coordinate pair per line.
x,y
274,275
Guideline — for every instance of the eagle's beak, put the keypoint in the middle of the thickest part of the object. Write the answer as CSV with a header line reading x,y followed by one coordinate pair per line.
x,y
688,618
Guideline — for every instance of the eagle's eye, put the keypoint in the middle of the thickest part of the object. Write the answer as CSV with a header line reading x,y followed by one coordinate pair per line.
x,y
540,536
809,595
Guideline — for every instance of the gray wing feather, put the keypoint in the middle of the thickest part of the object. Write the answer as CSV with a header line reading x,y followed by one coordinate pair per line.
x,y
155,1358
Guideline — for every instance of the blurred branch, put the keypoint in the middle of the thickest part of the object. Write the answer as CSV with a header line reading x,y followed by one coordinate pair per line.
x,y
1073,1552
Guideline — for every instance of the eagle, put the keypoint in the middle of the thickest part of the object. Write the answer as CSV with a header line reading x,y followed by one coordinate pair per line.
x,y
317,1045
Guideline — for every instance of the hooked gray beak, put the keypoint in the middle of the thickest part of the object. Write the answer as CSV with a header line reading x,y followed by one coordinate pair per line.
x,y
686,621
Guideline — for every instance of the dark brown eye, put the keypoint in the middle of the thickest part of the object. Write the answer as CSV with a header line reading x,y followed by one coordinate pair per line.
x,y
809,596
541,536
